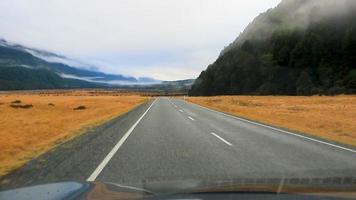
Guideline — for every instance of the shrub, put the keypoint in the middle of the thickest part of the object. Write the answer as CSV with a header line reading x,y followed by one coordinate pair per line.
x,y
304,84
26,106
80,108
336,91
16,101
51,104
350,80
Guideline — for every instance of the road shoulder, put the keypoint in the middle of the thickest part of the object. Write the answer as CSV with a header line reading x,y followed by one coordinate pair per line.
x,y
75,159
307,136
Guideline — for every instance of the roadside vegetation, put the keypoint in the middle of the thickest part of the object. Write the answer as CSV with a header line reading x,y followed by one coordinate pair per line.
x,y
331,118
33,123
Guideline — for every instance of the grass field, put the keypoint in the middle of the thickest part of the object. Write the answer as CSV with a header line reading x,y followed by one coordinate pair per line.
x,y
332,118
33,123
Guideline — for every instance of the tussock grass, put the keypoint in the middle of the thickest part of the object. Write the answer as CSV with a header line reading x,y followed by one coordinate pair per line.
x,y
27,133
332,118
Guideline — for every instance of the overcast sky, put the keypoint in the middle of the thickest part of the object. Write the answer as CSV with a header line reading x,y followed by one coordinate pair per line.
x,y
164,39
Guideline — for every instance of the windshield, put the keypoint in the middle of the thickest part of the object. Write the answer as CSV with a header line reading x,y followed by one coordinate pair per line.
x,y
180,95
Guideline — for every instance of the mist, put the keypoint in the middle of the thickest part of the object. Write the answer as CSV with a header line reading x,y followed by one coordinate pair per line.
x,y
167,40
293,14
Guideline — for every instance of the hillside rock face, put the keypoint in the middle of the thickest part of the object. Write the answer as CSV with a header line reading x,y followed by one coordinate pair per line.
x,y
300,47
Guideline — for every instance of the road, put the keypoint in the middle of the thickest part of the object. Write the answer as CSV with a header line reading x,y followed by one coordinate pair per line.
x,y
171,139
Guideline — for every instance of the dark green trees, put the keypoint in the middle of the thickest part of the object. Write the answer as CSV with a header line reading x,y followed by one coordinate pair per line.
x,y
288,59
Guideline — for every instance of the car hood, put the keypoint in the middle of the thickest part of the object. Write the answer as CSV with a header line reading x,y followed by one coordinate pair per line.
x,y
329,188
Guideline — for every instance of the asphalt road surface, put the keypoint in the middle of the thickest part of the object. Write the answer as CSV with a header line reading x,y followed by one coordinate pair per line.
x,y
170,139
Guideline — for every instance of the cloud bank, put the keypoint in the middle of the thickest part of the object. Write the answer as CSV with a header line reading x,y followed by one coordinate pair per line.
x,y
164,39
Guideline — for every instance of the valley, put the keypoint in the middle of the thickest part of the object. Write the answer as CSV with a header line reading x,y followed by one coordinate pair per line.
x,y
35,122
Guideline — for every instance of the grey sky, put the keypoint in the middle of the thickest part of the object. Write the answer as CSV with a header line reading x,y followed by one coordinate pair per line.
x,y
164,39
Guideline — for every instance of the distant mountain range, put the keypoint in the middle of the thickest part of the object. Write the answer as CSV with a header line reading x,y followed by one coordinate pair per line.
x,y
23,67
179,86
300,47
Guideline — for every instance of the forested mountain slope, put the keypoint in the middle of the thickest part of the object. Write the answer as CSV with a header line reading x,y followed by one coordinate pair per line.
x,y
301,47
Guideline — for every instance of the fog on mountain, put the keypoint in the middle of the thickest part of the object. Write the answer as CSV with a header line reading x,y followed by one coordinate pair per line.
x,y
301,47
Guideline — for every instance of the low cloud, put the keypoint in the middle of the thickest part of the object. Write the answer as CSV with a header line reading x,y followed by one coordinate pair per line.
x,y
90,30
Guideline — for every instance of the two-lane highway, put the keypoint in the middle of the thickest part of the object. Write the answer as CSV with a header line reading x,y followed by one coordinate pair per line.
x,y
176,140
172,140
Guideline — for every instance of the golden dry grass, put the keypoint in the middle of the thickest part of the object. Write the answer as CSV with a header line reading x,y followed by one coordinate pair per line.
x,y
27,133
332,118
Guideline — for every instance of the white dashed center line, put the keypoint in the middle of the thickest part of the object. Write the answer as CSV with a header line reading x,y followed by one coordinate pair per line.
x,y
191,118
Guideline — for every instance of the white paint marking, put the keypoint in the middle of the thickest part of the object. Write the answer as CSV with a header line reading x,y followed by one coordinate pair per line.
x,y
280,130
191,118
181,111
108,157
222,139
129,187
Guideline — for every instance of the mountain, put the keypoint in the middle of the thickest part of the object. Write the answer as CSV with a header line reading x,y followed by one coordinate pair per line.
x,y
20,70
42,54
300,47
20,78
178,87
61,72
182,86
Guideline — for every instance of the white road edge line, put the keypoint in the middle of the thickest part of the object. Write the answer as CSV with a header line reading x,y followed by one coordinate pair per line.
x,y
222,139
108,157
191,118
276,129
